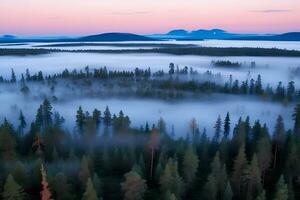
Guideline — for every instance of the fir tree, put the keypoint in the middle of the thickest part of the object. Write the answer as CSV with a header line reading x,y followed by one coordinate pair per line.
x,y
90,192
190,165
80,119
12,190
281,190
107,117
134,187
170,179
227,125
218,126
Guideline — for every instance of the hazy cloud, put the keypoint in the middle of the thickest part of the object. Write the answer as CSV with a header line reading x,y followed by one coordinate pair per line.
x,y
273,11
130,13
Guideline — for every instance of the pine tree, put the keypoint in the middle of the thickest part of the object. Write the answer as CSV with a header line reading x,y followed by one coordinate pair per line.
x,y
291,90
296,118
218,126
240,164
107,117
252,179
228,192
281,190
13,76
258,85
170,179
169,196
264,155
190,165
278,139
134,187
47,113
227,125
90,192
7,142
84,173
22,122
96,117
215,186
12,190
61,187
80,119
153,145
97,184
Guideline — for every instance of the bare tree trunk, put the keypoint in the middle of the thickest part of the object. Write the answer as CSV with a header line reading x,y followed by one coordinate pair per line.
x,y
275,156
151,166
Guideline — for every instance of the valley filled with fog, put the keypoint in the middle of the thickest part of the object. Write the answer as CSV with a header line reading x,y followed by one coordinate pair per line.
x,y
177,113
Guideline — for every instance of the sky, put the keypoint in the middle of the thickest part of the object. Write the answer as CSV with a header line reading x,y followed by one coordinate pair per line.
x,y
84,17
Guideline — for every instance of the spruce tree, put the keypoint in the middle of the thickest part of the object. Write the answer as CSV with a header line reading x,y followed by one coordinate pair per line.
x,y
12,190
80,119
170,179
227,125
90,192
107,117
296,118
252,179
190,165
218,126
239,165
278,139
134,187
281,190
22,122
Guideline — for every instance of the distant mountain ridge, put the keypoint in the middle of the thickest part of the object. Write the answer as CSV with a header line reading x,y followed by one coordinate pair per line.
x,y
292,36
201,34
116,37
177,34
104,37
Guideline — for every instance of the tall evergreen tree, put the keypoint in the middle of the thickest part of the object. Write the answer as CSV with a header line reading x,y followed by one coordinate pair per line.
x,y
296,118
281,190
22,123
252,179
80,119
227,125
190,165
170,179
90,192
278,139
134,187
12,190
240,164
107,117
218,126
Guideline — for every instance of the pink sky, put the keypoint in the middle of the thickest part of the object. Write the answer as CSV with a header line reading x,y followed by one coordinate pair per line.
x,y
82,17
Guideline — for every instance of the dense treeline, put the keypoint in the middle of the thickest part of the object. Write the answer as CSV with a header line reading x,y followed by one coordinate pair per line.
x,y
200,51
105,158
174,84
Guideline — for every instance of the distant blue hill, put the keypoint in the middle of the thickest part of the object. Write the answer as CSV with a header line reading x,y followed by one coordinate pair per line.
x,y
292,36
201,34
105,37
116,37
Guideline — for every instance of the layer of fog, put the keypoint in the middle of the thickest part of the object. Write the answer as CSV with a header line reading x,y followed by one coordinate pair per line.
x,y
140,111
290,45
272,69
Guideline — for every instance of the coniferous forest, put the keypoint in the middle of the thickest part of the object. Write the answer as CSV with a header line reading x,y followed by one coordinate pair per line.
x,y
103,156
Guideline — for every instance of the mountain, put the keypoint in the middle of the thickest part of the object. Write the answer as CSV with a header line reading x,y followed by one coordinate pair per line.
x,y
292,36
115,37
200,34
7,37
105,37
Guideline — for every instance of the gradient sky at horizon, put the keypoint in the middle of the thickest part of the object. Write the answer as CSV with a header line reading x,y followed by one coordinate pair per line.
x,y
82,17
